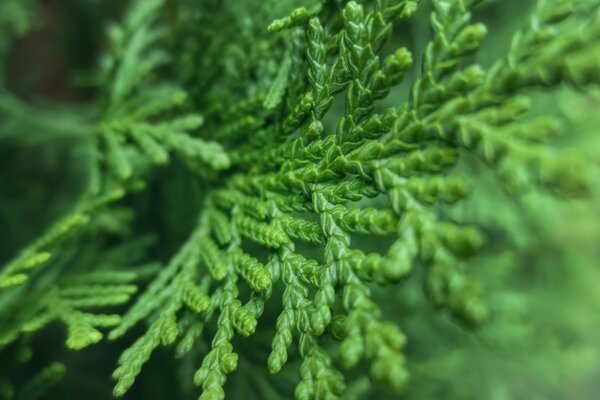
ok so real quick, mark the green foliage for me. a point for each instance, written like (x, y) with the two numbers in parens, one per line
(328, 204)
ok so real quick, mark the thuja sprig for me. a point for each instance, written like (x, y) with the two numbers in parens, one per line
(131, 102)
(280, 175)
(175, 287)
(128, 128)
(73, 302)
(406, 154)
(324, 172)
(40, 252)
